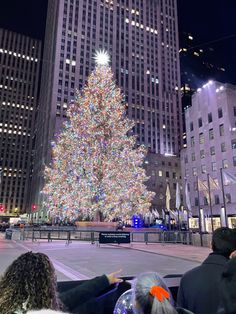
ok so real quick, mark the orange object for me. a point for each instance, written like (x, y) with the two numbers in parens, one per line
(159, 293)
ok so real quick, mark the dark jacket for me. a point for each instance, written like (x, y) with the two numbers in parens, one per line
(74, 298)
(228, 289)
(199, 290)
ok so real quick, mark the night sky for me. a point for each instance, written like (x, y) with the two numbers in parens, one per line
(207, 20)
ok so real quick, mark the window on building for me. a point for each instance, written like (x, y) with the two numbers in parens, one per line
(225, 164)
(205, 200)
(217, 199)
(212, 150)
(193, 157)
(194, 171)
(191, 126)
(160, 173)
(220, 113)
(201, 138)
(234, 161)
(223, 147)
(196, 201)
(235, 111)
(228, 198)
(233, 144)
(213, 166)
(211, 134)
(209, 117)
(202, 153)
(200, 122)
(192, 141)
(203, 168)
(167, 174)
(221, 129)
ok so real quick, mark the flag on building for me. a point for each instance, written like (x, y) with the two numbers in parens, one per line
(177, 200)
(168, 196)
(163, 214)
(187, 197)
(202, 187)
(173, 214)
(214, 185)
(228, 178)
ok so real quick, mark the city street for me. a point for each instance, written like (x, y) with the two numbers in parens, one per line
(81, 260)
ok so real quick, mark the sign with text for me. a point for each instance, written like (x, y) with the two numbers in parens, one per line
(114, 237)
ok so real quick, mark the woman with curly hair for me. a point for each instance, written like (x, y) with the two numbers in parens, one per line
(29, 283)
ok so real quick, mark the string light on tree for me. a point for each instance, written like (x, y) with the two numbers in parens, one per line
(96, 165)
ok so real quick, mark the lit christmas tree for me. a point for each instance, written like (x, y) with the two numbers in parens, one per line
(96, 166)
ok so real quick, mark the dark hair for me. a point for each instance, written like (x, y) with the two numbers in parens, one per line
(29, 283)
(228, 288)
(224, 241)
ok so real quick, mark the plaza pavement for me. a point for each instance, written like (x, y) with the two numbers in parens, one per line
(81, 260)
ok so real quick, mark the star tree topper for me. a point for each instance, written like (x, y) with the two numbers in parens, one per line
(102, 57)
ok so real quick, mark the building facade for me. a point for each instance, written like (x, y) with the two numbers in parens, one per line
(161, 170)
(19, 68)
(142, 40)
(198, 64)
(211, 146)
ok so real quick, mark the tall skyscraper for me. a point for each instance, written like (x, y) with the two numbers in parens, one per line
(19, 68)
(142, 40)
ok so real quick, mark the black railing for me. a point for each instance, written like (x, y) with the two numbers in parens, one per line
(92, 236)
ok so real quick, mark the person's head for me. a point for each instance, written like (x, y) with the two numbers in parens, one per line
(28, 283)
(152, 296)
(228, 288)
(224, 241)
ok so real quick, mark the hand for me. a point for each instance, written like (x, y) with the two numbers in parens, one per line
(233, 254)
(112, 278)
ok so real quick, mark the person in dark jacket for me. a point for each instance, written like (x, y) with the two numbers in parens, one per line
(199, 288)
(74, 298)
(228, 289)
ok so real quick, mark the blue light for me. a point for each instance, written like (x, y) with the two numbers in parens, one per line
(137, 222)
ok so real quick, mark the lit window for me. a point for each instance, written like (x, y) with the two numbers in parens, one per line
(225, 164)
(213, 166)
(221, 129)
(202, 153)
(194, 171)
(160, 173)
(233, 144)
(212, 150)
(201, 138)
(203, 168)
(223, 147)
(211, 134)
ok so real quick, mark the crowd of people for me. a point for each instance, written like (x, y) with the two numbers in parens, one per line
(29, 285)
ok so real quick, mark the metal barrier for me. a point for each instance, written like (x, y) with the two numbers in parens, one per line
(93, 236)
